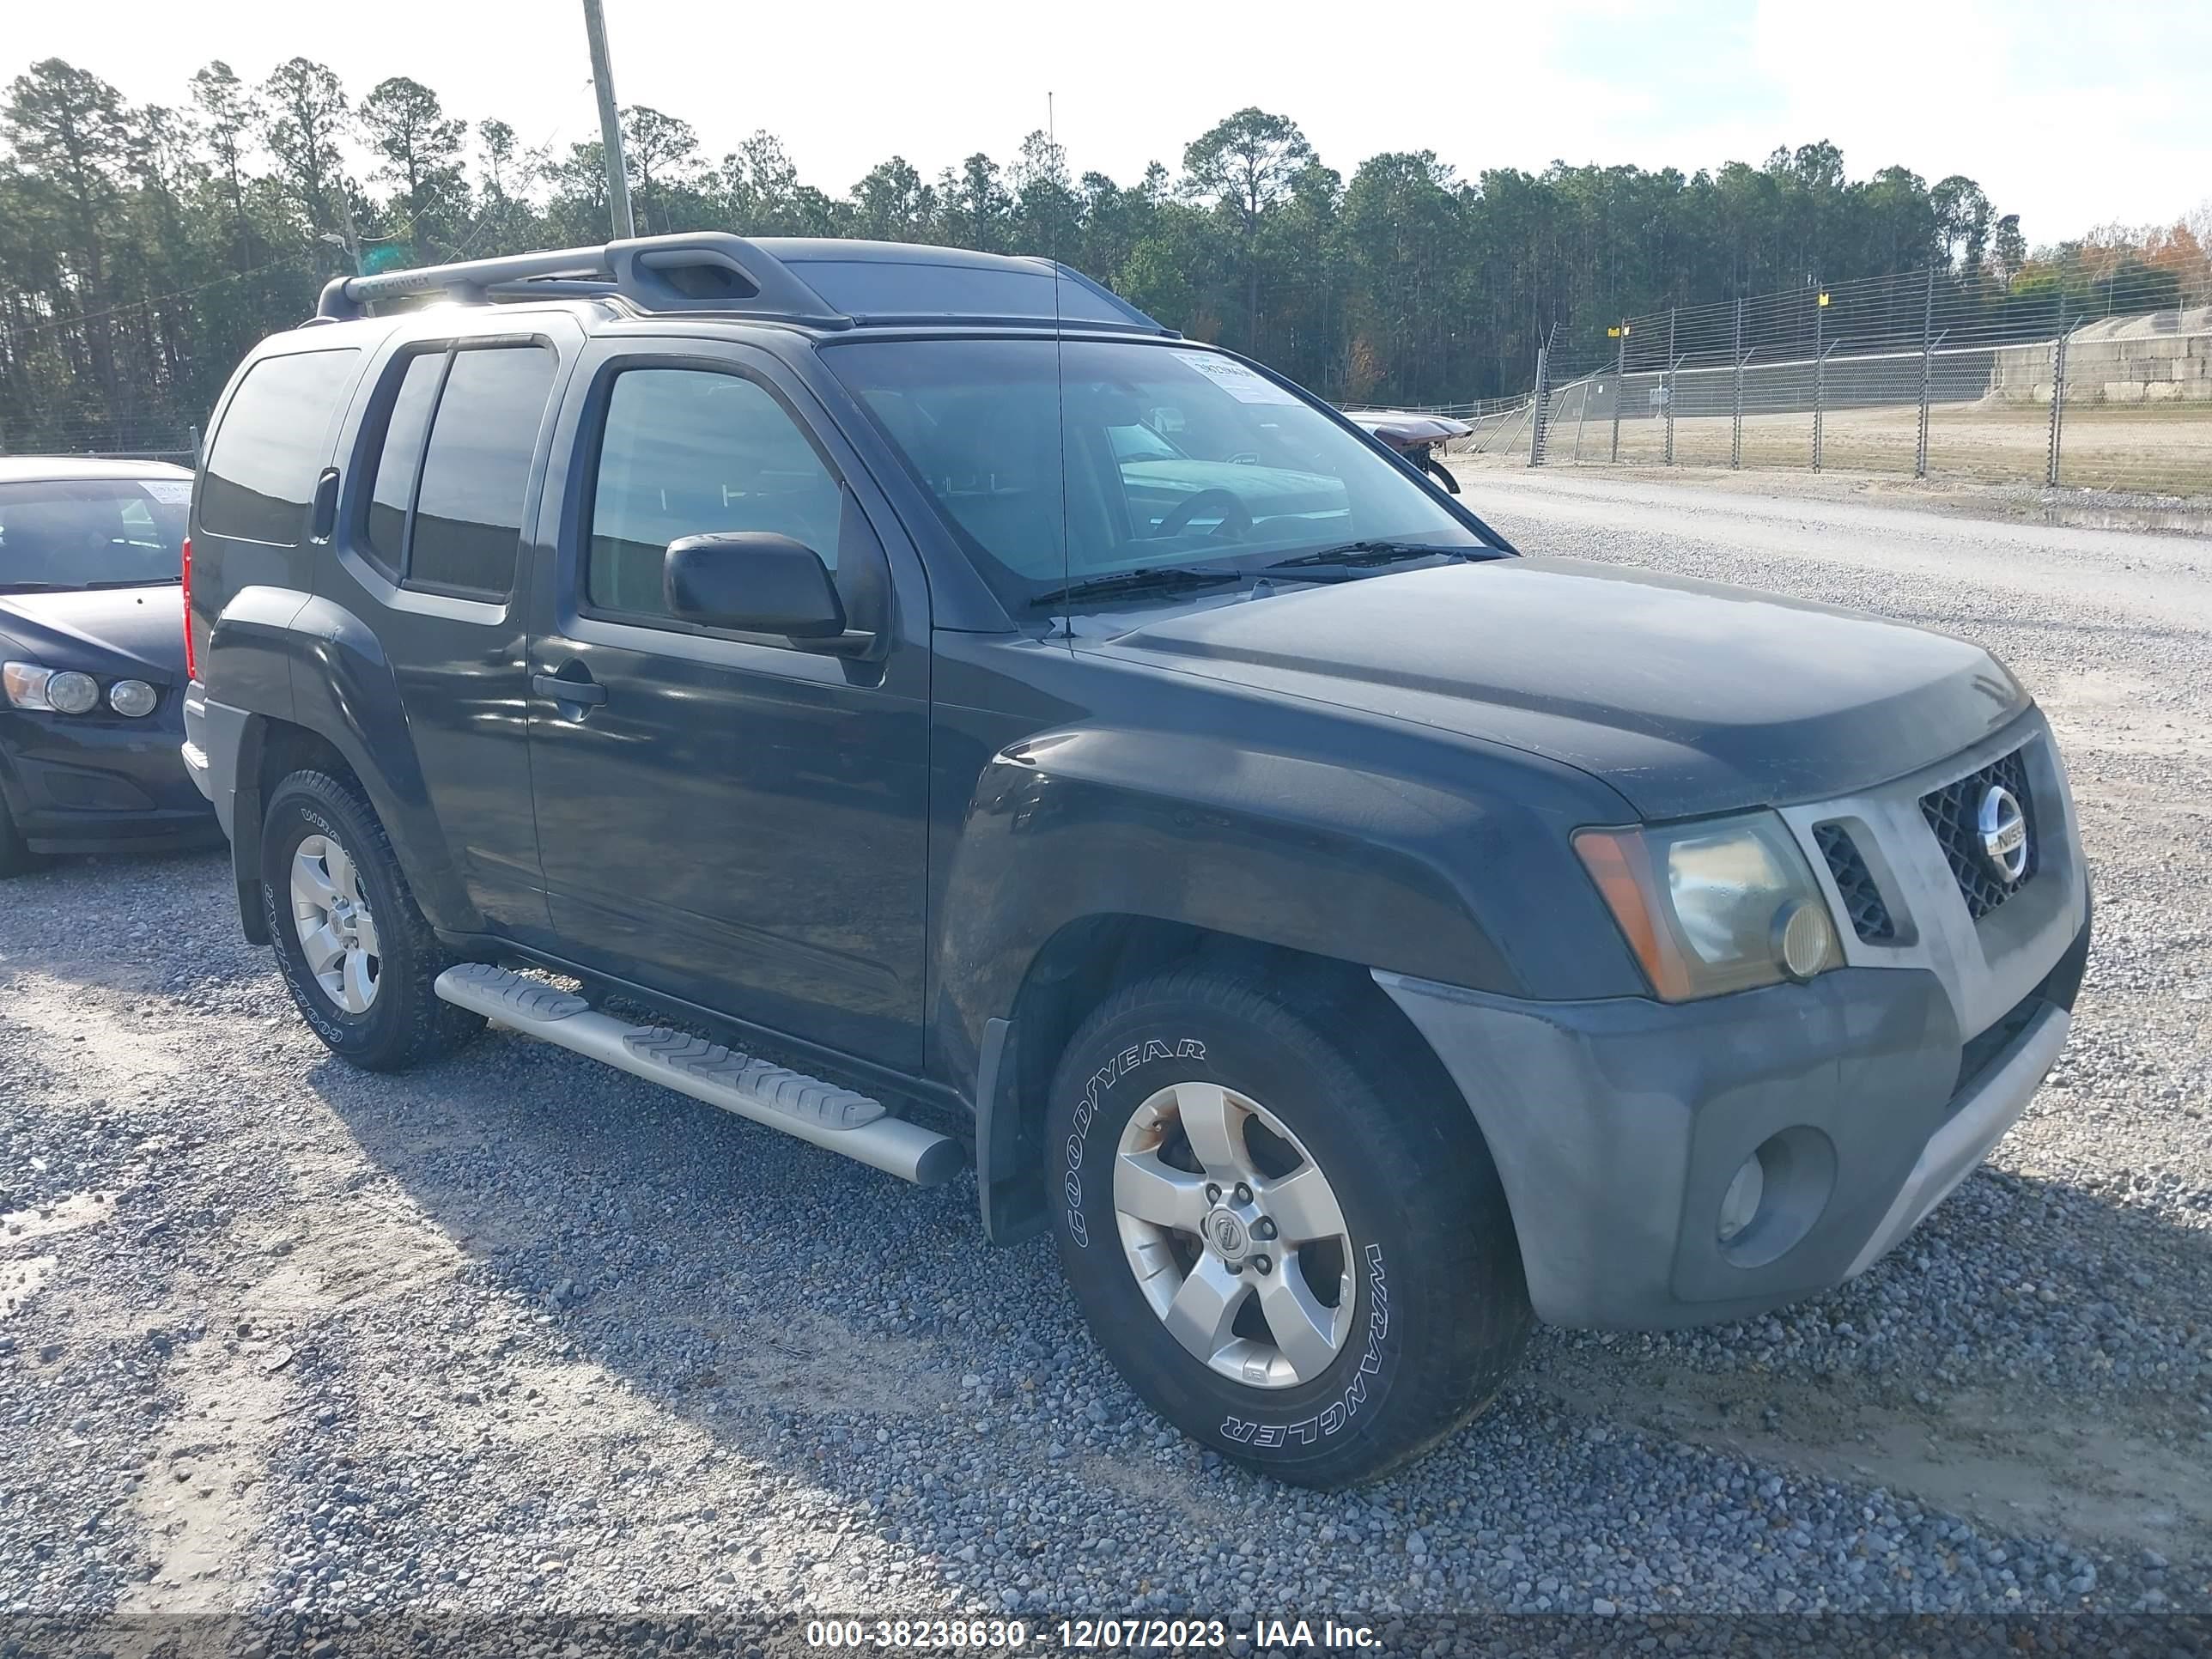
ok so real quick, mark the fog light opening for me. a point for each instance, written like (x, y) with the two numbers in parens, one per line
(1740, 1203)
(1776, 1197)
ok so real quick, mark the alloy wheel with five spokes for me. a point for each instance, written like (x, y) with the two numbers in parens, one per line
(1234, 1235)
(337, 931)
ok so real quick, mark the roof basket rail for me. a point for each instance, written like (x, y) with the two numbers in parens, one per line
(692, 270)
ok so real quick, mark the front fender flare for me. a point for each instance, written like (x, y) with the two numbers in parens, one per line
(1393, 861)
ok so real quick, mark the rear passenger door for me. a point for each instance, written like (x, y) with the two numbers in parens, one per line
(728, 818)
(448, 473)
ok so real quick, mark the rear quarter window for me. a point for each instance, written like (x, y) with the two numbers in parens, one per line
(260, 471)
(476, 473)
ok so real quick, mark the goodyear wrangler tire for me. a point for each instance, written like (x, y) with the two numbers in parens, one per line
(354, 951)
(1295, 1248)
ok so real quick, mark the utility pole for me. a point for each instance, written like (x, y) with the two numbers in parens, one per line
(602, 83)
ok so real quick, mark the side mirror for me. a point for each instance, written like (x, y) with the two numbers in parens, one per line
(755, 581)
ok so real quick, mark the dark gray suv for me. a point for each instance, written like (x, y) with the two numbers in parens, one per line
(988, 728)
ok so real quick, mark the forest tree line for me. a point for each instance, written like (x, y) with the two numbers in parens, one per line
(144, 248)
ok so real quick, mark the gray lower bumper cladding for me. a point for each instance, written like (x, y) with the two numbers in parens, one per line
(1619, 1126)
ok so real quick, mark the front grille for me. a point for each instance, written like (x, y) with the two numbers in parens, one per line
(1952, 813)
(1862, 900)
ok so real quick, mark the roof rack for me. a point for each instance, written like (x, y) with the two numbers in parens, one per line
(712, 270)
(694, 270)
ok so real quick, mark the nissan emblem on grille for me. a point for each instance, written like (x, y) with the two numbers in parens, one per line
(1986, 825)
(2004, 832)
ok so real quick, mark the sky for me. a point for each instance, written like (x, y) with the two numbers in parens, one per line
(2070, 114)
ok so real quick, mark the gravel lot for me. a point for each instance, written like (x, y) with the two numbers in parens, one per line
(521, 1333)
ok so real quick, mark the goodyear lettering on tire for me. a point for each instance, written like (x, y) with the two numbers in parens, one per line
(1086, 1108)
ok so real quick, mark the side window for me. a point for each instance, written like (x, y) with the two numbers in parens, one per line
(468, 510)
(261, 469)
(404, 428)
(687, 452)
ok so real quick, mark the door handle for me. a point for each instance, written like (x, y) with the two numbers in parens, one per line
(325, 514)
(567, 690)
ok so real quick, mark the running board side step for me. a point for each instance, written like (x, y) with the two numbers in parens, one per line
(820, 1114)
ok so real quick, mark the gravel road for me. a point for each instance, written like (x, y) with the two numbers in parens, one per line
(521, 1333)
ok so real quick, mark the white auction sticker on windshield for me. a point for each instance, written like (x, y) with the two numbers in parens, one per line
(1238, 381)
(170, 492)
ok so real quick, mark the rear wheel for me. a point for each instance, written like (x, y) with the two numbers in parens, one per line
(1297, 1251)
(356, 953)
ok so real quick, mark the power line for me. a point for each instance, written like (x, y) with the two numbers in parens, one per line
(22, 329)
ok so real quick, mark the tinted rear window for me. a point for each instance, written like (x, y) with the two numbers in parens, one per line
(261, 469)
(468, 517)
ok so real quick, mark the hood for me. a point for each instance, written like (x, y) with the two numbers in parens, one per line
(1687, 697)
(134, 631)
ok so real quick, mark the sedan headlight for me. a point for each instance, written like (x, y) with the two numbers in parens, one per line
(64, 691)
(132, 697)
(1723, 905)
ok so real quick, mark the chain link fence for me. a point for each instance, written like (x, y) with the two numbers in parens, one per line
(1916, 375)
(114, 441)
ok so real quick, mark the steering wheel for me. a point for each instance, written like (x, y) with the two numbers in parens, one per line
(1208, 502)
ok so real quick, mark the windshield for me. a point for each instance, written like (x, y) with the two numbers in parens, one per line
(1057, 462)
(91, 532)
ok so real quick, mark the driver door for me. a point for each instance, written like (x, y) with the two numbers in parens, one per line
(728, 818)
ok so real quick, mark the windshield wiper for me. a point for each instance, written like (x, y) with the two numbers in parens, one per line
(1164, 579)
(1371, 552)
(137, 581)
(34, 587)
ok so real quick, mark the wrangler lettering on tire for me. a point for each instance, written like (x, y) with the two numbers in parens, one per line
(1295, 1250)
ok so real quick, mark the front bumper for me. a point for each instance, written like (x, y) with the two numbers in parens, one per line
(1617, 1126)
(1866, 1094)
(84, 784)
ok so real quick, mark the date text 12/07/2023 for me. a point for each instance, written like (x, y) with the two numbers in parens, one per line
(1114, 1634)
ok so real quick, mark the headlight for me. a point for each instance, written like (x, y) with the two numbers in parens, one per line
(66, 692)
(133, 697)
(1719, 906)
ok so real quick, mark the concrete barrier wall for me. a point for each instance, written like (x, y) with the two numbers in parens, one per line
(1955, 375)
(2163, 358)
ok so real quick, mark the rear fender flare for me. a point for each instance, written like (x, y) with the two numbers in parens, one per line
(311, 663)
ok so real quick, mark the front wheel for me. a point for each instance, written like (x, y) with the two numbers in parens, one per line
(15, 858)
(1296, 1252)
(357, 956)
